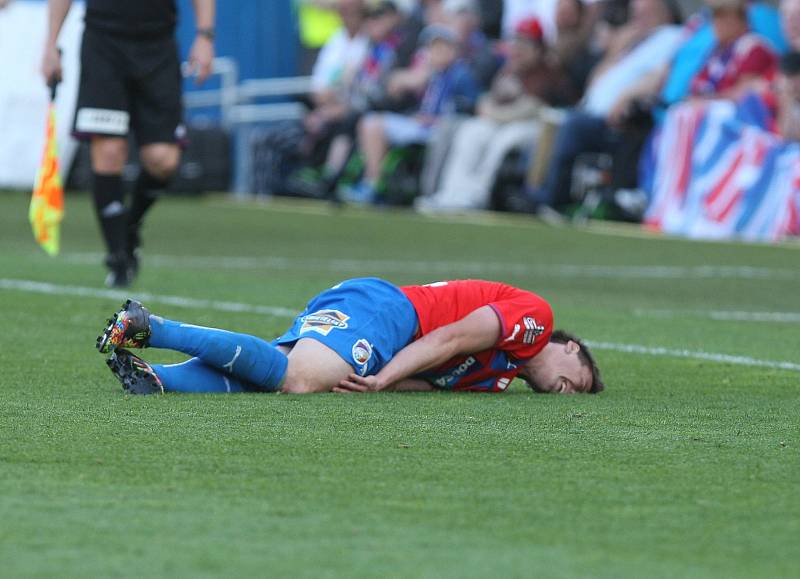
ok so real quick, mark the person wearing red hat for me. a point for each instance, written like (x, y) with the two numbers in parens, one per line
(508, 118)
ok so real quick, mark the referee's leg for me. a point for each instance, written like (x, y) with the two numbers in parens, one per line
(102, 117)
(157, 122)
(159, 161)
(108, 156)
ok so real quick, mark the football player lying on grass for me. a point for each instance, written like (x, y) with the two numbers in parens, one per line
(365, 335)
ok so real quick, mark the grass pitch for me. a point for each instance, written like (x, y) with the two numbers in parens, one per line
(685, 467)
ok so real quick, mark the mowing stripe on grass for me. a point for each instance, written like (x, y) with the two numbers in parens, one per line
(449, 267)
(724, 315)
(709, 356)
(29, 286)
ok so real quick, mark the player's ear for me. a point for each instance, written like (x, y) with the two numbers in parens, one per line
(572, 347)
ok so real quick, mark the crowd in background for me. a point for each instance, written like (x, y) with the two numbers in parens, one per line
(562, 80)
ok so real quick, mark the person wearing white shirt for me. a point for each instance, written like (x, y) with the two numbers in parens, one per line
(644, 44)
(341, 57)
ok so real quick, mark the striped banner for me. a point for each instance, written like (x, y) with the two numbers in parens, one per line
(718, 172)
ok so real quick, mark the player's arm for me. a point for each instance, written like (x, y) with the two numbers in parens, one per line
(51, 60)
(476, 332)
(201, 55)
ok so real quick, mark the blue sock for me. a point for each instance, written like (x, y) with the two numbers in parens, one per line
(241, 356)
(196, 376)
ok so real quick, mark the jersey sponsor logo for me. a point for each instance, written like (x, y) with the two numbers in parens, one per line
(532, 330)
(104, 121)
(323, 321)
(513, 334)
(362, 352)
(456, 372)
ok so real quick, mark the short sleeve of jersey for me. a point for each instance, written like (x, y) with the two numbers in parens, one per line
(526, 324)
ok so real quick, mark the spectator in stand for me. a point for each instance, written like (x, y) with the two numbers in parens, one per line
(704, 146)
(790, 22)
(335, 70)
(491, 18)
(463, 16)
(740, 58)
(574, 22)
(280, 150)
(318, 20)
(384, 27)
(407, 83)
(642, 45)
(385, 33)
(516, 11)
(739, 61)
(788, 85)
(788, 93)
(507, 119)
(680, 78)
(476, 50)
(452, 88)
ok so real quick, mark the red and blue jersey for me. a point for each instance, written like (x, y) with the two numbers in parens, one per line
(526, 322)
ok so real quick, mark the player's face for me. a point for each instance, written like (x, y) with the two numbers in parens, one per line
(563, 372)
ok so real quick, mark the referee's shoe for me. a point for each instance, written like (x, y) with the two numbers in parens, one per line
(122, 269)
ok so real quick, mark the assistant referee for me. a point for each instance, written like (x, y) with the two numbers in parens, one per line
(130, 81)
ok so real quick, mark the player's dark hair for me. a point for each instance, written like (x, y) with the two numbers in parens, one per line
(584, 355)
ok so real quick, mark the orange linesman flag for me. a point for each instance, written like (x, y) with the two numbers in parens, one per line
(47, 202)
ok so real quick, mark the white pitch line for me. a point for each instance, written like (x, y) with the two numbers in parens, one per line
(709, 356)
(782, 317)
(463, 268)
(29, 286)
(724, 315)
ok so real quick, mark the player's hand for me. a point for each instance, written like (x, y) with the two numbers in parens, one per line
(358, 384)
(51, 65)
(201, 57)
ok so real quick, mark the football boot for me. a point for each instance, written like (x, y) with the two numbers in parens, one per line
(128, 328)
(135, 375)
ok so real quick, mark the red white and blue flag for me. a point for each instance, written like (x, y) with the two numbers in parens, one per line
(719, 171)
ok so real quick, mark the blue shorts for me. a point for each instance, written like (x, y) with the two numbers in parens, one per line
(366, 321)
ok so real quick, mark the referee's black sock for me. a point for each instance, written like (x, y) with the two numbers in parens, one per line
(111, 213)
(146, 192)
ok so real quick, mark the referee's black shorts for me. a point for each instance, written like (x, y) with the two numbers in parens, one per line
(129, 84)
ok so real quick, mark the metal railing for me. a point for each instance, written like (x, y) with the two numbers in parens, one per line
(239, 114)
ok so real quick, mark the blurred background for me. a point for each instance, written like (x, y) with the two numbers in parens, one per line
(681, 115)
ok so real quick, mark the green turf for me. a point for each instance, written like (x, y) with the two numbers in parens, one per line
(683, 468)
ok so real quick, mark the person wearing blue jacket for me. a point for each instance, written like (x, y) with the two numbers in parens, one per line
(452, 88)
